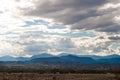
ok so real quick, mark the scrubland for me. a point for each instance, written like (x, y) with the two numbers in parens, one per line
(57, 76)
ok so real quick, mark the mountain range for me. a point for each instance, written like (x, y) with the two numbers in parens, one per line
(64, 58)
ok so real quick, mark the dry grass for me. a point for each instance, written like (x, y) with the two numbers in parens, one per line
(36, 76)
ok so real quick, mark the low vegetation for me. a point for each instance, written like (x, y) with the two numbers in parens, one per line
(58, 74)
(37, 76)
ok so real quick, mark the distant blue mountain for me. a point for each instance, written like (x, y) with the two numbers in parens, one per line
(74, 58)
(101, 57)
(63, 54)
(111, 56)
(65, 58)
(10, 58)
(43, 55)
(110, 61)
(22, 59)
(91, 56)
(7, 58)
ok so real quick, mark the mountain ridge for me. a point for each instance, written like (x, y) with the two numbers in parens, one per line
(67, 58)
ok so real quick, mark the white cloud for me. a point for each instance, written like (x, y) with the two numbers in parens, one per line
(10, 48)
(110, 5)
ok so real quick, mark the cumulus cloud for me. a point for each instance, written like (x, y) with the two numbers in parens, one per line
(78, 14)
(9, 47)
(53, 45)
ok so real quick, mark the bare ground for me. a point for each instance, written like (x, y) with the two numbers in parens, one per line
(36, 76)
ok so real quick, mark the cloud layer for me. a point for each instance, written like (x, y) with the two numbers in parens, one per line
(31, 27)
(100, 15)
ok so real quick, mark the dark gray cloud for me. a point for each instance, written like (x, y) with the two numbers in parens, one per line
(79, 14)
(114, 38)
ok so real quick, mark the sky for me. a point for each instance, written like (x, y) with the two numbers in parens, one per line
(81, 27)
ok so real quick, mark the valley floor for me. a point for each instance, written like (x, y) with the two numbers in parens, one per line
(37, 76)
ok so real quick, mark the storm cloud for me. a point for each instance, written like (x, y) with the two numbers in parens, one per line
(78, 14)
